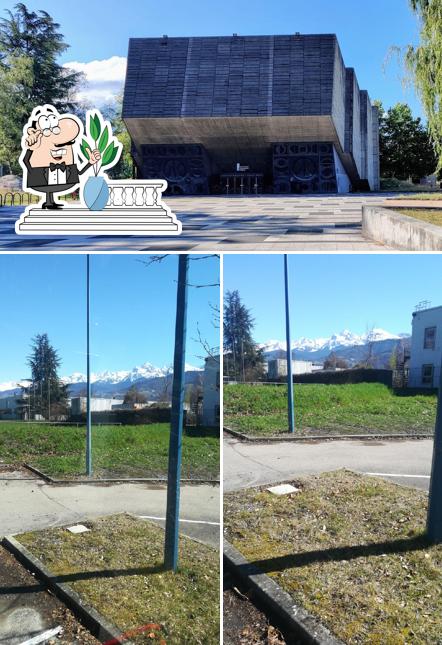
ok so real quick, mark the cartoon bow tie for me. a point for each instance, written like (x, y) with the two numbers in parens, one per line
(57, 166)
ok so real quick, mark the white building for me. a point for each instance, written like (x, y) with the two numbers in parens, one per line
(277, 367)
(211, 391)
(79, 404)
(426, 348)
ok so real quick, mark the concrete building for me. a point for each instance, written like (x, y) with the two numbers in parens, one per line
(249, 114)
(277, 367)
(426, 348)
(211, 391)
(14, 407)
(79, 404)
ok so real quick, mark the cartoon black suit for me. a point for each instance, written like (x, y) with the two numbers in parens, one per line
(49, 157)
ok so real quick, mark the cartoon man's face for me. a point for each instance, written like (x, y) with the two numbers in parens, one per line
(51, 137)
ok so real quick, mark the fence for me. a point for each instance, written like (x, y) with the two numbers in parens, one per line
(129, 417)
(340, 377)
(17, 199)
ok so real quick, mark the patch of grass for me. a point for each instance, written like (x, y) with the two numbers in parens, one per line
(130, 587)
(327, 409)
(425, 215)
(132, 450)
(351, 550)
(426, 196)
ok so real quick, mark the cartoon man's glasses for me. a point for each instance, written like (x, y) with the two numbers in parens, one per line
(49, 124)
(47, 131)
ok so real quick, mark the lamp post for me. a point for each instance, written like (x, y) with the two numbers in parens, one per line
(290, 410)
(434, 518)
(88, 377)
(176, 420)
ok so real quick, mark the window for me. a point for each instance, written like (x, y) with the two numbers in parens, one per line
(427, 374)
(430, 338)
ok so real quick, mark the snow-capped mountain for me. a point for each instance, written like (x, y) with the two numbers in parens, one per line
(345, 338)
(345, 344)
(146, 376)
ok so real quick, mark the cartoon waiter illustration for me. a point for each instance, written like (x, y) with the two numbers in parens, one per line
(48, 158)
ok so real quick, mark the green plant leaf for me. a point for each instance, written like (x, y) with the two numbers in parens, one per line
(103, 140)
(98, 125)
(109, 154)
(94, 126)
(84, 147)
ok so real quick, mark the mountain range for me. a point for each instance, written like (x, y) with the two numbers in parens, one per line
(347, 345)
(153, 381)
(148, 378)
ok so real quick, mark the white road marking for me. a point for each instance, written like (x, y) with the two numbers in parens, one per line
(152, 517)
(398, 475)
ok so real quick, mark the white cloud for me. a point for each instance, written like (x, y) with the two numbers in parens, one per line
(104, 79)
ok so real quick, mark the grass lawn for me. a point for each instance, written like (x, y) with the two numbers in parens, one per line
(130, 587)
(427, 215)
(133, 450)
(327, 409)
(422, 196)
(350, 549)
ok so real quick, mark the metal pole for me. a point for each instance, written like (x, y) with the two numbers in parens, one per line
(291, 410)
(88, 377)
(434, 518)
(176, 421)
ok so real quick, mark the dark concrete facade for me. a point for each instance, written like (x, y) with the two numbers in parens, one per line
(286, 106)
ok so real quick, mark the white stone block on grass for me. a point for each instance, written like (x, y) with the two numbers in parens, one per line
(78, 528)
(283, 489)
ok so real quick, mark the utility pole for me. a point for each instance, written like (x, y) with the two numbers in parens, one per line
(176, 420)
(290, 410)
(434, 518)
(88, 377)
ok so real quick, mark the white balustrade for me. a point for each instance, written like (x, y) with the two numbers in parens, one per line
(135, 193)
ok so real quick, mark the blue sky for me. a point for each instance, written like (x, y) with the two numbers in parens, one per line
(132, 310)
(329, 293)
(366, 31)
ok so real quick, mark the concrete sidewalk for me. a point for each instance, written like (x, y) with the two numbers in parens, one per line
(32, 505)
(275, 223)
(404, 462)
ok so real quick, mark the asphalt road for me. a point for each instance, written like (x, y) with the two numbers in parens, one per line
(404, 462)
(32, 504)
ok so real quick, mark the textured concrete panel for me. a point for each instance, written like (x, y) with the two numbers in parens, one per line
(238, 95)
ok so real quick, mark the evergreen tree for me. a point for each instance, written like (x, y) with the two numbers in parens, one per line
(243, 359)
(405, 146)
(425, 63)
(29, 74)
(47, 394)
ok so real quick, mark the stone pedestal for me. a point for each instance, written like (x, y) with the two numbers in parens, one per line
(134, 208)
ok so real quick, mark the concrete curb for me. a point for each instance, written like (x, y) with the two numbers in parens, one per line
(336, 437)
(400, 231)
(37, 472)
(119, 480)
(99, 626)
(296, 620)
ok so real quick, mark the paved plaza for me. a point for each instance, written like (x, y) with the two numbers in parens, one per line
(265, 223)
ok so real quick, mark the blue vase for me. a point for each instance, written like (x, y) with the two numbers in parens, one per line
(96, 193)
